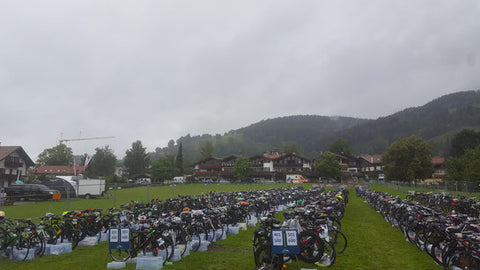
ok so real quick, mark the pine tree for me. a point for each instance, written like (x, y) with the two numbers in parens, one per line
(179, 158)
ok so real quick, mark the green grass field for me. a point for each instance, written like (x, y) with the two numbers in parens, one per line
(372, 242)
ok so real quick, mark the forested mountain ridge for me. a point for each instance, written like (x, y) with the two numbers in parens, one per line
(436, 121)
(442, 116)
(304, 130)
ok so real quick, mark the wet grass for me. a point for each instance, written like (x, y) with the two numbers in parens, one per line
(374, 244)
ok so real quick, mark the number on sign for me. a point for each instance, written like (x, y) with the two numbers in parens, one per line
(277, 238)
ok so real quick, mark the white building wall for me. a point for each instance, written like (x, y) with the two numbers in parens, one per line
(268, 165)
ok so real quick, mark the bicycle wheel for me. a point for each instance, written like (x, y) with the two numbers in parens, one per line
(152, 246)
(22, 245)
(456, 259)
(202, 232)
(336, 225)
(264, 258)
(74, 237)
(410, 234)
(50, 235)
(3, 239)
(210, 233)
(340, 243)
(197, 235)
(328, 257)
(420, 240)
(311, 247)
(120, 255)
(436, 252)
(181, 240)
(168, 247)
(219, 226)
(37, 244)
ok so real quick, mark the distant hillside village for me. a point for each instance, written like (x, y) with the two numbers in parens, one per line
(275, 166)
(16, 165)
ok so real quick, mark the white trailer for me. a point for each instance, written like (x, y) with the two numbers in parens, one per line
(179, 180)
(89, 188)
(86, 188)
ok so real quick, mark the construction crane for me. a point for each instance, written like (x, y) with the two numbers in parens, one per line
(84, 139)
(61, 141)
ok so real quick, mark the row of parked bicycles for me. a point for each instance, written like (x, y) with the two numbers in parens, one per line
(451, 238)
(156, 227)
(318, 222)
(445, 202)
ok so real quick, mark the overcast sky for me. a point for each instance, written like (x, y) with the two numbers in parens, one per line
(157, 70)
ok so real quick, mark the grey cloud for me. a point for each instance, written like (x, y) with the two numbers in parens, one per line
(158, 70)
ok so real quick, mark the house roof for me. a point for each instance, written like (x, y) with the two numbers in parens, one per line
(262, 157)
(438, 160)
(372, 159)
(7, 150)
(59, 170)
(293, 155)
(230, 157)
(207, 159)
(272, 156)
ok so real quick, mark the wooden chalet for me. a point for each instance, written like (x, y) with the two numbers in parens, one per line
(14, 163)
(439, 168)
(372, 167)
(209, 168)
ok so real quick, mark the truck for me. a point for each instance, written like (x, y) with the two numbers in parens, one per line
(86, 188)
(296, 178)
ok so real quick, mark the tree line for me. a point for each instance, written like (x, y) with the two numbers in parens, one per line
(407, 159)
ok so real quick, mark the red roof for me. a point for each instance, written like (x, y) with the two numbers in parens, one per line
(272, 156)
(59, 170)
(438, 160)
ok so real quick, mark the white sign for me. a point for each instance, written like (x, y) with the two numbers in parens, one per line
(277, 238)
(114, 235)
(291, 238)
(125, 235)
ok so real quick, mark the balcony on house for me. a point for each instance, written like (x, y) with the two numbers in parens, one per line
(8, 176)
(13, 163)
(209, 166)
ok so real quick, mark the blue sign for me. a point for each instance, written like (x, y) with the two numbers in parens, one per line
(119, 238)
(285, 241)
